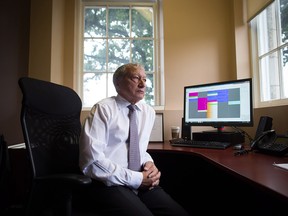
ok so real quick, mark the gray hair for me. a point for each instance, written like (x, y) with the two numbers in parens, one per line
(125, 70)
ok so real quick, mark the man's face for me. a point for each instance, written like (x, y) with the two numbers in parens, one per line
(133, 86)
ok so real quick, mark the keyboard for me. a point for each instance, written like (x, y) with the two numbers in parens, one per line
(200, 144)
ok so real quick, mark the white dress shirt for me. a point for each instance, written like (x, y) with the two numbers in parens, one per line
(103, 141)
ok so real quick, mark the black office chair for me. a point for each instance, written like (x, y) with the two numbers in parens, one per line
(50, 120)
(4, 169)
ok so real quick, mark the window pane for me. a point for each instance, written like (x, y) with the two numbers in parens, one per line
(95, 22)
(284, 20)
(119, 53)
(119, 22)
(149, 95)
(285, 73)
(142, 22)
(94, 87)
(267, 36)
(143, 53)
(94, 55)
(270, 89)
(111, 88)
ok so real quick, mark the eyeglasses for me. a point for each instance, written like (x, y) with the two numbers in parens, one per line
(137, 79)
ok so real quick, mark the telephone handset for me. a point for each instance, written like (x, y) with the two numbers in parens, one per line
(266, 136)
(271, 143)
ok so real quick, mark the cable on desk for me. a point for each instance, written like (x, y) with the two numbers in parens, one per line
(243, 133)
(241, 152)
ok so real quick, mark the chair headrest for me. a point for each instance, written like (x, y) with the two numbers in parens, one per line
(49, 97)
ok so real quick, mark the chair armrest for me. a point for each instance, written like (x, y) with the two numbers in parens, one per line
(67, 178)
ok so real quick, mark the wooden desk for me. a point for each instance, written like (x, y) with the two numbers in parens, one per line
(209, 181)
(249, 178)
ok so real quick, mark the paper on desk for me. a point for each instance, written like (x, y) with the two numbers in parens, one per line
(281, 165)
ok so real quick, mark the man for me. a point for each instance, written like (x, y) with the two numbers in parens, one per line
(105, 144)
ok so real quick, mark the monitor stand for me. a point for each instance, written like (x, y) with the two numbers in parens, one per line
(220, 131)
(220, 136)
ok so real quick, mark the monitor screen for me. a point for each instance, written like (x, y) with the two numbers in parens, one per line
(219, 104)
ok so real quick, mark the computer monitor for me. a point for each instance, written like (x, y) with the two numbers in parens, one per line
(219, 104)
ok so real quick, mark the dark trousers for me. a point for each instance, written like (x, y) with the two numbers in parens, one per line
(119, 200)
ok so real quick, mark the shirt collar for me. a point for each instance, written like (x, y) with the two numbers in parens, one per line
(123, 103)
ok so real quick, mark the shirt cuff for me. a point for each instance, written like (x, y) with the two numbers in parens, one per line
(137, 179)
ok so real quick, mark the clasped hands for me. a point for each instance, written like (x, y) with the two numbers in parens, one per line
(151, 176)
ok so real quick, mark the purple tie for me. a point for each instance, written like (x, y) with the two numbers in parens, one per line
(134, 154)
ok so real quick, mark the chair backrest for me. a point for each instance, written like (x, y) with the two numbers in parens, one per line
(50, 119)
(3, 159)
(4, 174)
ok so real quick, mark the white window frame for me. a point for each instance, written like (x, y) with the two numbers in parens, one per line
(159, 46)
(259, 76)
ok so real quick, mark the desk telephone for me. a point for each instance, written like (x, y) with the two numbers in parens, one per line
(271, 143)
